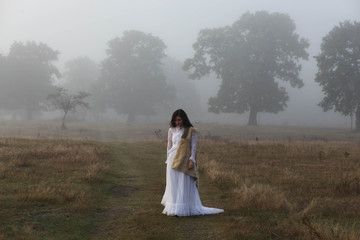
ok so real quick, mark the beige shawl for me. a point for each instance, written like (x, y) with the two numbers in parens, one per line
(183, 153)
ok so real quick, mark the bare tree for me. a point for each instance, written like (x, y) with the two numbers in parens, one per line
(63, 100)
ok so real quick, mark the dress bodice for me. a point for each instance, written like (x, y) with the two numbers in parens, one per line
(174, 137)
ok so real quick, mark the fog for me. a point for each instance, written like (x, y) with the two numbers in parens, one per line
(83, 28)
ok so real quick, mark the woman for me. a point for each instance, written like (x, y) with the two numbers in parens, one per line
(181, 197)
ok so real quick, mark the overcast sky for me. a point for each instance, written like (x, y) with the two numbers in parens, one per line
(83, 27)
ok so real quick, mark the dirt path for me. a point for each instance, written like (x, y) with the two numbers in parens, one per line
(133, 209)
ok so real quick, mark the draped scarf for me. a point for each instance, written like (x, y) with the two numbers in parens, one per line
(183, 153)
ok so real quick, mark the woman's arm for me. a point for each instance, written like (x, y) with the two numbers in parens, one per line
(169, 144)
(193, 148)
(192, 159)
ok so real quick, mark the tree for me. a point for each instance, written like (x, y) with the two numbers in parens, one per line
(132, 78)
(339, 70)
(80, 73)
(186, 95)
(26, 76)
(249, 57)
(63, 100)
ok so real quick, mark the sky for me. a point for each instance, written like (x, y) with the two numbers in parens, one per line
(83, 27)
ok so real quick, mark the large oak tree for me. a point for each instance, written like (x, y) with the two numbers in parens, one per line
(250, 56)
(132, 78)
(339, 70)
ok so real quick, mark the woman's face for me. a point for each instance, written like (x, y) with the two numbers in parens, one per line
(178, 121)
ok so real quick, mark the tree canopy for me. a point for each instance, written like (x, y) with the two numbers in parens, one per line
(249, 57)
(186, 95)
(80, 74)
(27, 76)
(132, 78)
(339, 70)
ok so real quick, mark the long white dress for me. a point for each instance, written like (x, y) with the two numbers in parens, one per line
(181, 197)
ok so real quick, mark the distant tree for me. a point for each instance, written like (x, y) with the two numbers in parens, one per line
(63, 100)
(80, 73)
(26, 76)
(186, 95)
(132, 78)
(339, 70)
(250, 56)
(99, 99)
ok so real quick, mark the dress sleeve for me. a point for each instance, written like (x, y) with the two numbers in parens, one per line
(169, 144)
(193, 147)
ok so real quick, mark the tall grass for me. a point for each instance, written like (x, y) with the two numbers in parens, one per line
(287, 182)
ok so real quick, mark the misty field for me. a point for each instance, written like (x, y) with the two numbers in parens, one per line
(272, 182)
(107, 132)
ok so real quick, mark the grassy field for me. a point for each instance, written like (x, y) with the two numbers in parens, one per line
(49, 188)
(295, 183)
(107, 132)
(291, 190)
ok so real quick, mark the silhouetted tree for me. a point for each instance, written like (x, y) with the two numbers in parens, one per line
(26, 76)
(63, 100)
(339, 70)
(132, 78)
(250, 56)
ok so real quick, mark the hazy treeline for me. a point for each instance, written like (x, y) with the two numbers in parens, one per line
(137, 81)
(151, 87)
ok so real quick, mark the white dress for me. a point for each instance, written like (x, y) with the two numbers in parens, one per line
(181, 197)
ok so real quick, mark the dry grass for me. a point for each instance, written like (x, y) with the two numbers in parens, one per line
(218, 173)
(262, 197)
(336, 207)
(45, 178)
(290, 180)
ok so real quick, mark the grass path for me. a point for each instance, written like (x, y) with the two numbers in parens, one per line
(133, 209)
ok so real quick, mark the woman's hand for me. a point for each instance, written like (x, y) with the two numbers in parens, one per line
(190, 165)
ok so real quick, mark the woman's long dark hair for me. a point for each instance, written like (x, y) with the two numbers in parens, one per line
(181, 113)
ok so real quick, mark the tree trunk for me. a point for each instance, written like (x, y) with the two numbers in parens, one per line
(131, 118)
(252, 117)
(63, 126)
(357, 119)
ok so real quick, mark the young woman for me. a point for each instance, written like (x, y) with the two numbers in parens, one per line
(181, 197)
